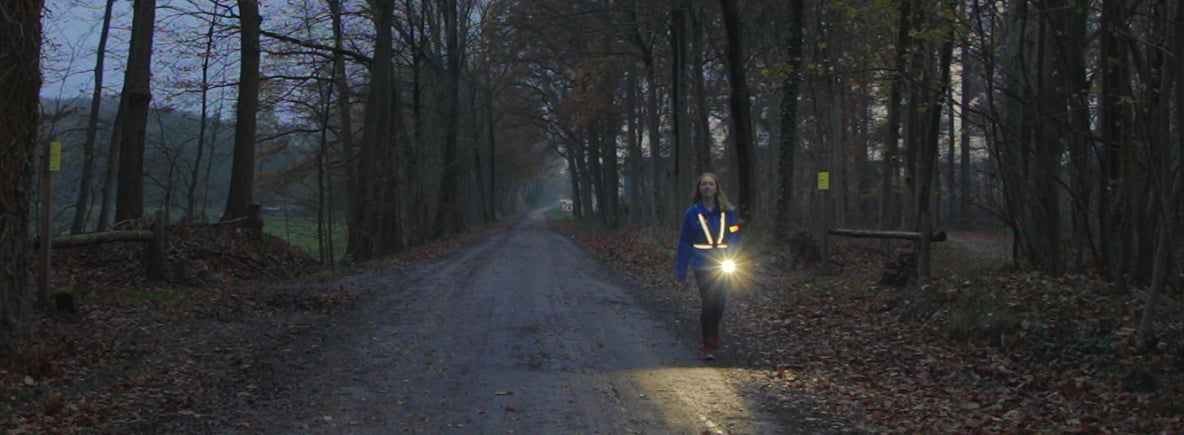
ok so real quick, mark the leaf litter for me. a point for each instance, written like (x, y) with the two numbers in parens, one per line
(980, 347)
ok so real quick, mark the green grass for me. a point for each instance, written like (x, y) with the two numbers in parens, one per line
(302, 233)
(556, 214)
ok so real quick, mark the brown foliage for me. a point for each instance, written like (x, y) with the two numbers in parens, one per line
(979, 349)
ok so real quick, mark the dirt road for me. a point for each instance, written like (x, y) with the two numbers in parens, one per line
(522, 333)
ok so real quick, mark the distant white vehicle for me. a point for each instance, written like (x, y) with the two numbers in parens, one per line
(566, 204)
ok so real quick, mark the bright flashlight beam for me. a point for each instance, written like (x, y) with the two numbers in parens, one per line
(728, 266)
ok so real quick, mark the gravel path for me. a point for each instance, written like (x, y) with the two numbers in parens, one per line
(522, 333)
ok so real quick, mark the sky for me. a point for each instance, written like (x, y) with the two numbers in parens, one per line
(71, 34)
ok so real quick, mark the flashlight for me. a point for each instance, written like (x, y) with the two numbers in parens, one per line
(728, 266)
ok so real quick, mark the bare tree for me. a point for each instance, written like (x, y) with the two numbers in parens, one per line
(935, 93)
(345, 133)
(133, 118)
(1169, 171)
(789, 122)
(703, 142)
(205, 86)
(374, 230)
(1113, 122)
(643, 43)
(684, 155)
(82, 203)
(242, 174)
(741, 111)
(889, 202)
(449, 219)
(20, 84)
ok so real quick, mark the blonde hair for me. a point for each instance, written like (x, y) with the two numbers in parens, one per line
(720, 197)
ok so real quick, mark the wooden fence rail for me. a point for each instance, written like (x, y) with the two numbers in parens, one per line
(939, 236)
(157, 243)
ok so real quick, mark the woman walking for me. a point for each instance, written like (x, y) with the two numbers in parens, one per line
(709, 238)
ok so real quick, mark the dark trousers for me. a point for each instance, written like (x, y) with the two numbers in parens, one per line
(713, 291)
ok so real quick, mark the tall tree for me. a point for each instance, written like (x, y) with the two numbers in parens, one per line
(374, 230)
(789, 113)
(449, 219)
(683, 155)
(1169, 171)
(633, 136)
(643, 42)
(741, 110)
(1113, 131)
(345, 133)
(897, 86)
(204, 118)
(20, 84)
(1065, 104)
(133, 119)
(969, 92)
(935, 89)
(82, 203)
(242, 173)
(702, 131)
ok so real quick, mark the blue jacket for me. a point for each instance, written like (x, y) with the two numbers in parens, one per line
(692, 234)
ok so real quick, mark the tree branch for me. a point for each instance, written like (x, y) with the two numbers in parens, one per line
(360, 58)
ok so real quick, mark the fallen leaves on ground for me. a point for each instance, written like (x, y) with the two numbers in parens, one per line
(192, 353)
(980, 348)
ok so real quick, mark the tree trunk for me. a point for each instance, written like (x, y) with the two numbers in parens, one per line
(372, 176)
(20, 82)
(683, 156)
(633, 135)
(1042, 146)
(951, 192)
(703, 144)
(653, 121)
(111, 171)
(129, 202)
(490, 125)
(448, 211)
(584, 183)
(478, 171)
(345, 132)
(612, 173)
(888, 200)
(1112, 121)
(1170, 190)
(191, 195)
(217, 128)
(1147, 179)
(926, 173)
(82, 203)
(741, 111)
(964, 134)
(242, 173)
(595, 171)
(577, 193)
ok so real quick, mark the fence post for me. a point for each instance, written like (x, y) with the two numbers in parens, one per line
(158, 249)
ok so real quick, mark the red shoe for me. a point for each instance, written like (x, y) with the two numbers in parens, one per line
(709, 346)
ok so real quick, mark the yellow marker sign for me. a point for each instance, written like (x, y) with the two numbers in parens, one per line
(55, 156)
(824, 180)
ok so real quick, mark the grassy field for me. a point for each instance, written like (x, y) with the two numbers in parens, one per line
(302, 233)
(556, 214)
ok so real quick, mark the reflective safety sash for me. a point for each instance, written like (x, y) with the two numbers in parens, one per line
(716, 242)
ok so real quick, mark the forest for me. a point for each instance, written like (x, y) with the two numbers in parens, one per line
(1058, 124)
